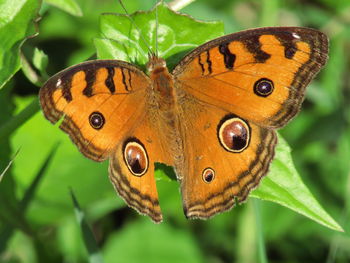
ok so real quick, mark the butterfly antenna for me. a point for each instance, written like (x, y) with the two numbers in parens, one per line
(157, 25)
(137, 28)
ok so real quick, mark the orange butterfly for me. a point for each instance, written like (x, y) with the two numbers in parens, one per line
(213, 117)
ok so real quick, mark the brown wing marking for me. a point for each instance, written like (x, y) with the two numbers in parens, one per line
(288, 57)
(113, 89)
(235, 173)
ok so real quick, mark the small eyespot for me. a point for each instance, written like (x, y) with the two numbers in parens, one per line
(263, 87)
(96, 120)
(234, 135)
(208, 175)
(136, 158)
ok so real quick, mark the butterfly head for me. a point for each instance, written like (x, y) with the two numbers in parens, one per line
(155, 63)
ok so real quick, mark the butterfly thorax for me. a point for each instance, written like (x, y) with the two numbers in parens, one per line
(162, 83)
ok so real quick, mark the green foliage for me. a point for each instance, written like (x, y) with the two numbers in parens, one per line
(88, 236)
(45, 229)
(15, 26)
(142, 241)
(284, 186)
(177, 34)
(70, 6)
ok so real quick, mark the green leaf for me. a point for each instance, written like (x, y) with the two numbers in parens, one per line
(122, 40)
(178, 34)
(11, 125)
(284, 186)
(37, 74)
(40, 60)
(16, 24)
(69, 6)
(8, 166)
(88, 236)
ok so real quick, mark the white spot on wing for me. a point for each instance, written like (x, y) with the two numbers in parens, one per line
(295, 35)
(58, 83)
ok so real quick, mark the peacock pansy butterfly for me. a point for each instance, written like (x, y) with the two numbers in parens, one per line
(213, 117)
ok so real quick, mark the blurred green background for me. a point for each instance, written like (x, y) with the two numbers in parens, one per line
(38, 220)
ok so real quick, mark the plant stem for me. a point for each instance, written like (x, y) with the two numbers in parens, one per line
(260, 237)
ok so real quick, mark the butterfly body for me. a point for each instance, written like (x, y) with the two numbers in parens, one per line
(212, 118)
(164, 97)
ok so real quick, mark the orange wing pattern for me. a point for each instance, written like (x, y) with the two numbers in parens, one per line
(228, 71)
(103, 105)
(233, 91)
(213, 119)
(232, 173)
(136, 183)
(100, 91)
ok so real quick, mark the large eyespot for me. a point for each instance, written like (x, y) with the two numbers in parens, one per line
(96, 120)
(263, 87)
(136, 157)
(234, 134)
(208, 175)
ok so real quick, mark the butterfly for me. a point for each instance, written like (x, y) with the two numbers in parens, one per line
(213, 117)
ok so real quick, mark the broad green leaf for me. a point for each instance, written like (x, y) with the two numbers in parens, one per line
(121, 40)
(16, 24)
(37, 74)
(126, 40)
(284, 186)
(70, 6)
(40, 60)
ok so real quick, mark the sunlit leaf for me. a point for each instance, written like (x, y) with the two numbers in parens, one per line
(70, 6)
(121, 40)
(284, 186)
(16, 24)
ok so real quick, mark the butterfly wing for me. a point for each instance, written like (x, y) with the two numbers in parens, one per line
(221, 169)
(237, 89)
(259, 74)
(103, 105)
